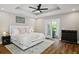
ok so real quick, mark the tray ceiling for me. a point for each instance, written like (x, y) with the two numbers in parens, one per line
(25, 10)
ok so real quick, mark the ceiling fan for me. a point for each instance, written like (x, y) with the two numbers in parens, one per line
(39, 9)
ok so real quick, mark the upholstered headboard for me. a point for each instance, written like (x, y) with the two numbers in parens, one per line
(15, 29)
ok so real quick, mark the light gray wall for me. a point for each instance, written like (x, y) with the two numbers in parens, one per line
(69, 21)
(7, 19)
(39, 25)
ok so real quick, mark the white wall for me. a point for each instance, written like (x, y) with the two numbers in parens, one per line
(69, 21)
(4, 21)
(39, 25)
(7, 19)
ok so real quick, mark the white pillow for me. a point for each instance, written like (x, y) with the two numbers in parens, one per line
(15, 32)
(31, 29)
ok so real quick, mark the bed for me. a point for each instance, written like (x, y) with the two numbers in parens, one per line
(24, 37)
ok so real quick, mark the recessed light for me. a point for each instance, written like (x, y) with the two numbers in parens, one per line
(2, 8)
(73, 9)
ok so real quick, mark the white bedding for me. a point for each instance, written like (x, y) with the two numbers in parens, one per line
(28, 39)
(24, 37)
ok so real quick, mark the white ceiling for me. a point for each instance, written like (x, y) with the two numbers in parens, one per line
(25, 10)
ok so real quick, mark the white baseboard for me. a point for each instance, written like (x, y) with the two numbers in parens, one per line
(77, 42)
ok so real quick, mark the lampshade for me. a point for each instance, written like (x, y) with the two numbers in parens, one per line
(4, 33)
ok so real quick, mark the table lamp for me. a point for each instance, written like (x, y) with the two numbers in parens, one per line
(4, 33)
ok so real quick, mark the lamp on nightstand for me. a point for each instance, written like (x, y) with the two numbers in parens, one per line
(5, 38)
(4, 33)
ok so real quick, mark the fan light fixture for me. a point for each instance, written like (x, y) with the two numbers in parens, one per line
(38, 11)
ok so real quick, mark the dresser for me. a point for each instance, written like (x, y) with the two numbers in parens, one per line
(69, 36)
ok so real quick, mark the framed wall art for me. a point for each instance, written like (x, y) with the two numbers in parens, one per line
(20, 19)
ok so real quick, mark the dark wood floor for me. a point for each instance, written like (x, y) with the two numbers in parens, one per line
(62, 48)
(4, 50)
(57, 48)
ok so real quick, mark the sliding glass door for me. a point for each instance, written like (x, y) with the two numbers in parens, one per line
(53, 28)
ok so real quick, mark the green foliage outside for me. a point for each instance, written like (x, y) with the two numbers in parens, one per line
(54, 26)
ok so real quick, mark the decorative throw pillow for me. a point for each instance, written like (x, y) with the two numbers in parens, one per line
(15, 32)
(21, 30)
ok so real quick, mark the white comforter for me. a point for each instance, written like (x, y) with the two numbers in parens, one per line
(28, 38)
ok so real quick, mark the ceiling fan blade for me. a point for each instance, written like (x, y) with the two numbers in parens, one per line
(32, 7)
(34, 10)
(44, 9)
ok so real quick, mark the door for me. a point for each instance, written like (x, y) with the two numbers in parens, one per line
(52, 28)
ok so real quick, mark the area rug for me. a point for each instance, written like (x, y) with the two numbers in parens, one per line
(37, 49)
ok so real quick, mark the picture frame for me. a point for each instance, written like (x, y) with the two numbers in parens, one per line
(20, 19)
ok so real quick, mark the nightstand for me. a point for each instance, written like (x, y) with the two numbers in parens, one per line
(6, 40)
